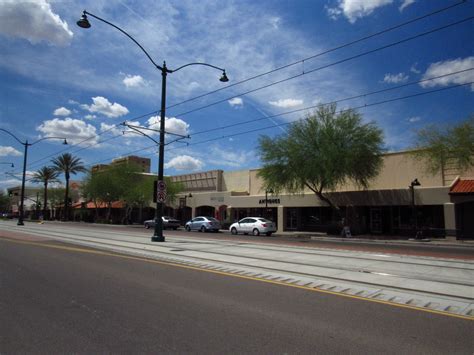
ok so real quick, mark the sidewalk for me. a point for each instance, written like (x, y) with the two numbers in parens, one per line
(447, 242)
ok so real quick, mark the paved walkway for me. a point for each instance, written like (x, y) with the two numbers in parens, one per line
(448, 241)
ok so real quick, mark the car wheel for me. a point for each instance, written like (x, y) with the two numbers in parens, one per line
(234, 231)
(269, 234)
(188, 228)
(256, 232)
(175, 228)
(147, 226)
(203, 229)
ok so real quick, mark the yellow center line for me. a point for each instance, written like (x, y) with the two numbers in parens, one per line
(143, 259)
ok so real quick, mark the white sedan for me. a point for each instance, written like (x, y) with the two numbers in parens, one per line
(254, 225)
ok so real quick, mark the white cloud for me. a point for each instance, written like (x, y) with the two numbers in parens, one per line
(414, 69)
(275, 22)
(354, 9)
(286, 103)
(405, 4)
(33, 21)
(74, 130)
(133, 81)
(105, 107)
(9, 151)
(111, 128)
(449, 66)
(414, 119)
(184, 162)
(231, 158)
(62, 111)
(72, 102)
(236, 102)
(172, 125)
(90, 117)
(395, 78)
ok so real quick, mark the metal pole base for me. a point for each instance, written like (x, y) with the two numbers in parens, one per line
(156, 238)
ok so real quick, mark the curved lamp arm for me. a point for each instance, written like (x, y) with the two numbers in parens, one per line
(85, 21)
(197, 63)
(11, 134)
(44, 138)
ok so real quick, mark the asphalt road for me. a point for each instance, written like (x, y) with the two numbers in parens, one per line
(58, 298)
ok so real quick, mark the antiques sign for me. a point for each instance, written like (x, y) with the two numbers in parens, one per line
(268, 201)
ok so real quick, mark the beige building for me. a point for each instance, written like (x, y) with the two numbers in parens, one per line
(143, 163)
(391, 205)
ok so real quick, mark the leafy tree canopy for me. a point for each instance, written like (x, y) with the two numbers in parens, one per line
(123, 182)
(322, 152)
(438, 145)
(4, 201)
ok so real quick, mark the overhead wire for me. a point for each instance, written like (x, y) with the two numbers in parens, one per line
(340, 111)
(327, 66)
(286, 66)
(334, 101)
(386, 30)
(311, 107)
(326, 51)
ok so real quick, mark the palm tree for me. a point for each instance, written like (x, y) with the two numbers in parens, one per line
(68, 165)
(45, 175)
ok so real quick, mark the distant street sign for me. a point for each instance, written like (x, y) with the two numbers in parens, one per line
(159, 191)
(161, 186)
(161, 197)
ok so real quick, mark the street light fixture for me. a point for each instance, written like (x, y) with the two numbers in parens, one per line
(413, 206)
(12, 165)
(158, 231)
(26, 145)
(266, 201)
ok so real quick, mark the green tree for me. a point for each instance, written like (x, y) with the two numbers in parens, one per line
(438, 146)
(68, 164)
(123, 182)
(45, 175)
(55, 196)
(4, 202)
(101, 188)
(321, 152)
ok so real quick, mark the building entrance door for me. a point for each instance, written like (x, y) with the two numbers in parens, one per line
(376, 220)
(291, 218)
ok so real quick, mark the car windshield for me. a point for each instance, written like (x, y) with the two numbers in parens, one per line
(264, 220)
(212, 219)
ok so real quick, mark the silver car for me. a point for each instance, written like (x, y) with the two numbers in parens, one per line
(168, 222)
(203, 224)
(254, 225)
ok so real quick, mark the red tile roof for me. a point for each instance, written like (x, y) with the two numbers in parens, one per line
(463, 186)
(91, 205)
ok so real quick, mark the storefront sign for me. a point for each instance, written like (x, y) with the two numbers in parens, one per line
(217, 199)
(269, 201)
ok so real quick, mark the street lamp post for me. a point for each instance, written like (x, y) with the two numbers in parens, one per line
(158, 231)
(183, 203)
(26, 145)
(413, 206)
(266, 201)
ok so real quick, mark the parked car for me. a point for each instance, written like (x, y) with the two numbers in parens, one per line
(203, 224)
(254, 225)
(168, 222)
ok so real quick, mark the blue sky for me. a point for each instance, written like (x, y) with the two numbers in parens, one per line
(60, 80)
